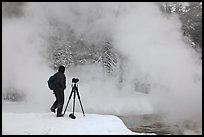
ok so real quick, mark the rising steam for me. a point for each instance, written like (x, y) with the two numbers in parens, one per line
(151, 42)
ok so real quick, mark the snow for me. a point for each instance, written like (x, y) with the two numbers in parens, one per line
(22, 119)
(49, 124)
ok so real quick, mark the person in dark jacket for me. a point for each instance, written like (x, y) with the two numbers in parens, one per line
(59, 92)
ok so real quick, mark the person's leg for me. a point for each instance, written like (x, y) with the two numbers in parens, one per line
(60, 103)
(55, 104)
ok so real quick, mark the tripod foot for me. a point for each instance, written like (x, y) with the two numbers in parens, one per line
(72, 116)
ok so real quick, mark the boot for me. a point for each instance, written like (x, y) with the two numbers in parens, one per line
(52, 109)
(60, 115)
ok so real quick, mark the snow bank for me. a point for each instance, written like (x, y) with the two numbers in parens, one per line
(49, 124)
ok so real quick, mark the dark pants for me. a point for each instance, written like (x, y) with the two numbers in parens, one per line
(59, 102)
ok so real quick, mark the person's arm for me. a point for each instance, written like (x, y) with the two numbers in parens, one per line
(64, 85)
(62, 81)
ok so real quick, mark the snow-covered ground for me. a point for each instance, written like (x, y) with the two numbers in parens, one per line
(19, 119)
(49, 124)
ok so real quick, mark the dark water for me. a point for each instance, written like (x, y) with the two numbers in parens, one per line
(147, 123)
(150, 123)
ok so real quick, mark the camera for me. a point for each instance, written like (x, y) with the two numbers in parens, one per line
(75, 80)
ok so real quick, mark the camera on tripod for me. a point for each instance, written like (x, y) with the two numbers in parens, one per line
(74, 92)
(75, 80)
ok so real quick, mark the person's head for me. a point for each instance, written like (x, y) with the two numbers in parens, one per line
(61, 69)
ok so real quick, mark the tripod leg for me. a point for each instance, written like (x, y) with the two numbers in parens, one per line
(74, 101)
(80, 102)
(68, 102)
(72, 114)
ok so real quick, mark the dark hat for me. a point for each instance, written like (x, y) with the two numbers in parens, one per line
(61, 69)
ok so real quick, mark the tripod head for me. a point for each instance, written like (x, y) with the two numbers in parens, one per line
(74, 85)
(75, 80)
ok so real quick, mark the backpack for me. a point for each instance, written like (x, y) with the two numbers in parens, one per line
(52, 81)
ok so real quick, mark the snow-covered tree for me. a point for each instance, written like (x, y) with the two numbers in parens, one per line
(109, 58)
(190, 14)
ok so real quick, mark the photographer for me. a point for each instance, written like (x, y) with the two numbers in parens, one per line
(59, 91)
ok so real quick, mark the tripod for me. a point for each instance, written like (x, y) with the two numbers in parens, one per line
(75, 91)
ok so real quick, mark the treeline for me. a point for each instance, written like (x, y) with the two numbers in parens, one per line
(64, 48)
(70, 51)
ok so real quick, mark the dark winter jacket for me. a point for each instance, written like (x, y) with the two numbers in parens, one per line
(61, 80)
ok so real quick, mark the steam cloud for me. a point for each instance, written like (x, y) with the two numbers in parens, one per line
(151, 41)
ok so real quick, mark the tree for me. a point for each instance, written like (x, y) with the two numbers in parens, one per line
(192, 22)
(109, 58)
(190, 14)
